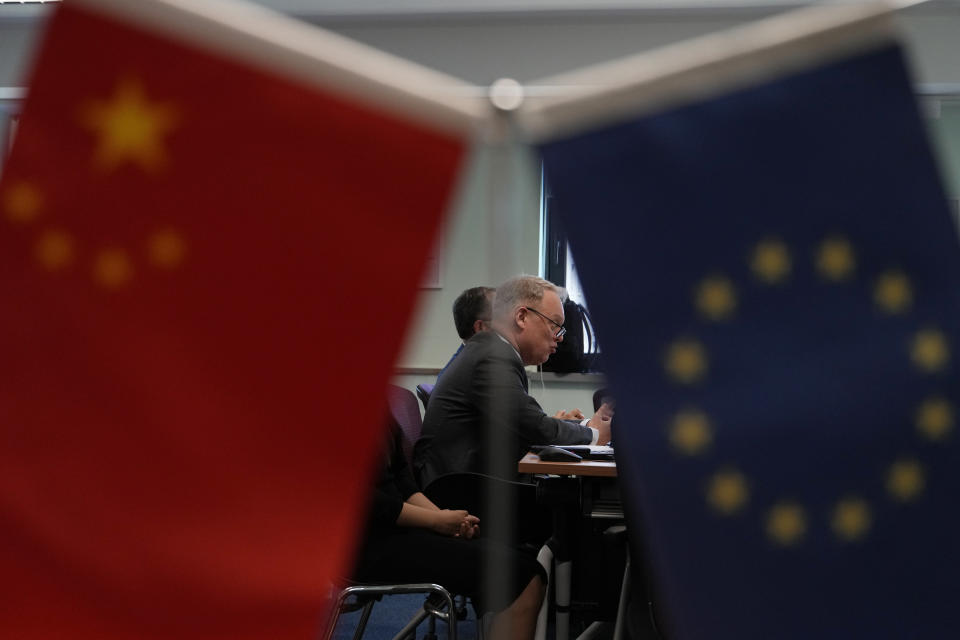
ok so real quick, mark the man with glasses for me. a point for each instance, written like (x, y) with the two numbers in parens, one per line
(472, 313)
(486, 387)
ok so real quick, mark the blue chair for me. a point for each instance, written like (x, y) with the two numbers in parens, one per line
(423, 392)
(406, 414)
(438, 606)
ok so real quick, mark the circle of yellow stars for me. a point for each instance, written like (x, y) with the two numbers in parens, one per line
(129, 129)
(690, 432)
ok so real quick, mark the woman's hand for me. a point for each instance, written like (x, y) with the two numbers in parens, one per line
(417, 511)
(454, 523)
(469, 526)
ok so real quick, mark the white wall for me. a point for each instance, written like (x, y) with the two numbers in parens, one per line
(574, 391)
(491, 234)
(17, 38)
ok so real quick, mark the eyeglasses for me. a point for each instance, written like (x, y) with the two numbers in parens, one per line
(561, 330)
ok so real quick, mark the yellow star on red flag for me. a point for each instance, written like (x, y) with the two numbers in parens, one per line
(129, 128)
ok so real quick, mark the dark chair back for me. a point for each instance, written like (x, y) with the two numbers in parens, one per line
(406, 414)
(423, 392)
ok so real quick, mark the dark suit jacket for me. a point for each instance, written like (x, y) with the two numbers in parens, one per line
(485, 385)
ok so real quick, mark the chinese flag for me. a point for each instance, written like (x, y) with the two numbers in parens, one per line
(206, 273)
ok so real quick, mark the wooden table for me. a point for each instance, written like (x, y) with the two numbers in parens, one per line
(531, 463)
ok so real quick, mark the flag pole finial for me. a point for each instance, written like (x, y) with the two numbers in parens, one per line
(506, 94)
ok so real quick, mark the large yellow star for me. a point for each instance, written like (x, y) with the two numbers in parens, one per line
(129, 128)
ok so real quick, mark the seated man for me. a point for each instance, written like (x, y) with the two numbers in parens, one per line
(472, 311)
(471, 315)
(485, 388)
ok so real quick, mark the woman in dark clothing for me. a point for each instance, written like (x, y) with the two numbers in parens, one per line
(410, 539)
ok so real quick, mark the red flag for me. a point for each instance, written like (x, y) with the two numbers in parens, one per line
(206, 271)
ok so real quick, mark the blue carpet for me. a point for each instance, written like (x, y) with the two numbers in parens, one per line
(392, 613)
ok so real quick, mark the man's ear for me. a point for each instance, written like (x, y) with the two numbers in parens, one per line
(520, 317)
(479, 325)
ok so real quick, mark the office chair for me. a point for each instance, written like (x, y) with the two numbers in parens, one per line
(440, 604)
(405, 414)
(423, 392)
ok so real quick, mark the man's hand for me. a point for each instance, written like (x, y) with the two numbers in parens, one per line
(573, 414)
(454, 523)
(601, 422)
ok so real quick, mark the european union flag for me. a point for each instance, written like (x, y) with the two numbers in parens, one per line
(775, 279)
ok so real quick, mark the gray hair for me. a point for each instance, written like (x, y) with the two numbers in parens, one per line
(520, 291)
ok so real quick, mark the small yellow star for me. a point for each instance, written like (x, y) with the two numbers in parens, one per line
(166, 249)
(129, 128)
(929, 350)
(771, 261)
(686, 361)
(892, 292)
(54, 249)
(22, 202)
(786, 523)
(727, 491)
(112, 268)
(716, 298)
(934, 418)
(835, 259)
(690, 432)
(905, 480)
(851, 519)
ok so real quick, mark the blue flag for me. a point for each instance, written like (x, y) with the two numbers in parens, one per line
(775, 280)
